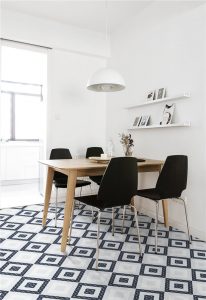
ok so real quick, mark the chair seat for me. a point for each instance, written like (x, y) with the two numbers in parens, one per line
(62, 183)
(89, 200)
(154, 195)
(96, 179)
(92, 200)
(150, 194)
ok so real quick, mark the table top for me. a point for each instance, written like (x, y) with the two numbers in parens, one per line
(84, 163)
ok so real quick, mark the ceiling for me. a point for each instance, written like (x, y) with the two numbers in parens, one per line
(85, 14)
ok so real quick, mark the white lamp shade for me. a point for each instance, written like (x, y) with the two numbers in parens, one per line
(106, 80)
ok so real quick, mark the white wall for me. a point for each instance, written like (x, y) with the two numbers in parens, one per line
(29, 29)
(164, 46)
(25, 167)
(75, 117)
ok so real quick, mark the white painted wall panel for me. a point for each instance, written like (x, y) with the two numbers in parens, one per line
(76, 116)
(19, 161)
(164, 46)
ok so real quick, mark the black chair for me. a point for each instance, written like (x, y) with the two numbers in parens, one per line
(95, 151)
(118, 186)
(60, 180)
(170, 184)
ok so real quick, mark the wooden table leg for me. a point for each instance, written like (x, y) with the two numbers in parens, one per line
(165, 212)
(50, 175)
(71, 184)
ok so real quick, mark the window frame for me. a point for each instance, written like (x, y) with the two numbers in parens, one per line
(13, 103)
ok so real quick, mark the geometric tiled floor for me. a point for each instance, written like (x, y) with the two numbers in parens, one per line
(32, 266)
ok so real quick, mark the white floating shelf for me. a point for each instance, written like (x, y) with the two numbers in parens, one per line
(185, 124)
(177, 97)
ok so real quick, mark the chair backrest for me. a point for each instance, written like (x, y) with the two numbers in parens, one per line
(173, 177)
(119, 183)
(60, 153)
(94, 151)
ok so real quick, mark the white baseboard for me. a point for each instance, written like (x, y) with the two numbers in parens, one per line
(181, 226)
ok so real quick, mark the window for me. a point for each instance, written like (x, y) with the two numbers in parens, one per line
(20, 110)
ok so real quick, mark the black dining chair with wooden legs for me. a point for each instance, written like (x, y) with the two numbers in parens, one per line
(118, 186)
(60, 180)
(171, 183)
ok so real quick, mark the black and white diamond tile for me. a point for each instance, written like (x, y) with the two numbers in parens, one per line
(149, 295)
(54, 260)
(199, 275)
(25, 236)
(32, 266)
(112, 245)
(89, 291)
(161, 250)
(178, 243)
(103, 265)
(6, 254)
(30, 285)
(2, 294)
(83, 252)
(13, 268)
(129, 257)
(67, 274)
(152, 270)
(4, 217)
(36, 247)
(93, 234)
(27, 213)
(198, 254)
(10, 226)
(123, 280)
(134, 239)
(179, 262)
(178, 286)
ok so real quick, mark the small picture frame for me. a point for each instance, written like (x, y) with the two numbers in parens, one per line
(144, 121)
(160, 93)
(136, 122)
(151, 95)
(167, 114)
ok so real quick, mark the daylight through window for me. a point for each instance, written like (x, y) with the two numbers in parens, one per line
(20, 110)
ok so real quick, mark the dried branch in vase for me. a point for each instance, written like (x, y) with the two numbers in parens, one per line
(127, 142)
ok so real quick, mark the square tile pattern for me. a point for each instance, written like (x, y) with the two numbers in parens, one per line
(33, 267)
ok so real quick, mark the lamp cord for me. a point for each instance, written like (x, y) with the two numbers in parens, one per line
(107, 22)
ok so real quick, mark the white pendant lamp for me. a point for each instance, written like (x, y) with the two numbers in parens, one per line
(106, 79)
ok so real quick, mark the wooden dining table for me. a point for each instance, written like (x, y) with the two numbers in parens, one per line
(74, 168)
